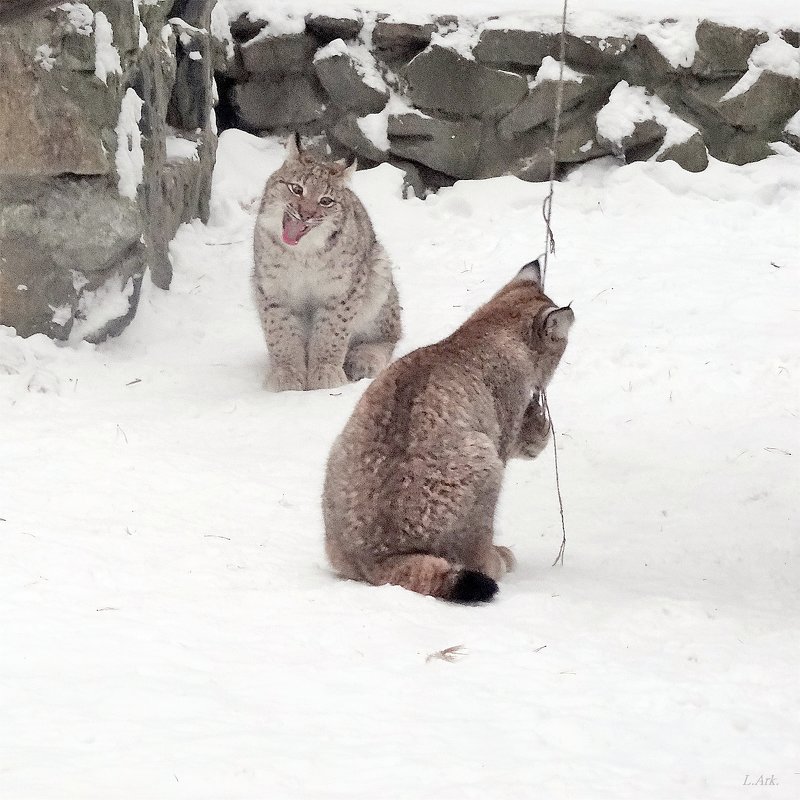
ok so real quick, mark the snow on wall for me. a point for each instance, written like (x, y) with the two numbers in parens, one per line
(628, 105)
(775, 55)
(106, 55)
(130, 157)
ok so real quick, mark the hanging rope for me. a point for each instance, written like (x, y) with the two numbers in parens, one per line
(550, 247)
(547, 205)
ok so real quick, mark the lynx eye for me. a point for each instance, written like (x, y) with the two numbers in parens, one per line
(295, 188)
(325, 201)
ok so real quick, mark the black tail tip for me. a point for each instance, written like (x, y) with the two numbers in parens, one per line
(473, 587)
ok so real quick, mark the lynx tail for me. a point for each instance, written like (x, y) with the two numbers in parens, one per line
(437, 577)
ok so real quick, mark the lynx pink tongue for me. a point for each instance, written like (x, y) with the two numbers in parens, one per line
(293, 230)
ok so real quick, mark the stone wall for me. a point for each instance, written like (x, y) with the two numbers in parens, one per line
(445, 101)
(107, 143)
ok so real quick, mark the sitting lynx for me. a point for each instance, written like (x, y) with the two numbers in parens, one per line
(322, 283)
(413, 479)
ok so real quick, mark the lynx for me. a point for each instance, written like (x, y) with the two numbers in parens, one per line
(413, 479)
(322, 282)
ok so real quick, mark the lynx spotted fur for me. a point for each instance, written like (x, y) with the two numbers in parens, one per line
(413, 479)
(322, 283)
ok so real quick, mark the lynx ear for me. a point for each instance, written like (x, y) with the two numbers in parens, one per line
(348, 172)
(293, 151)
(530, 273)
(558, 322)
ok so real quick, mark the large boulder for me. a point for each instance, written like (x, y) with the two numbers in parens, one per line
(326, 28)
(278, 54)
(350, 82)
(445, 146)
(398, 42)
(768, 103)
(593, 52)
(690, 154)
(442, 81)
(526, 156)
(723, 51)
(281, 103)
(539, 106)
(347, 132)
(513, 48)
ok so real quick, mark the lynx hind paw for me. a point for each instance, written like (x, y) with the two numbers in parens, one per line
(283, 379)
(507, 557)
(326, 376)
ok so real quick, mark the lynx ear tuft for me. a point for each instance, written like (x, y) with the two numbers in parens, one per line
(293, 148)
(530, 273)
(558, 322)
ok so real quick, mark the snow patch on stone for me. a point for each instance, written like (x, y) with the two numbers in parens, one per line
(362, 59)
(130, 157)
(775, 55)
(793, 125)
(61, 315)
(106, 59)
(629, 105)
(178, 147)
(221, 28)
(550, 69)
(44, 57)
(675, 40)
(80, 16)
(99, 307)
(375, 126)
(461, 40)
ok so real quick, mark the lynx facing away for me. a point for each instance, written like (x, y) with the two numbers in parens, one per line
(413, 479)
(322, 283)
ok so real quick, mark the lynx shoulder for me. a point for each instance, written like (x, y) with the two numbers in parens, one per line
(413, 480)
(322, 282)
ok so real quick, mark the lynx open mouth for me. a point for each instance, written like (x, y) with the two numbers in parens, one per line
(293, 229)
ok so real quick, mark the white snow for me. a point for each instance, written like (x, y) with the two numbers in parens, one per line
(775, 55)
(675, 40)
(628, 105)
(98, 307)
(106, 60)
(221, 28)
(375, 126)
(130, 156)
(80, 16)
(550, 70)
(195, 55)
(793, 125)
(335, 48)
(44, 57)
(171, 628)
(179, 147)
(362, 59)
(461, 39)
(599, 17)
(282, 19)
(142, 36)
(61, 314)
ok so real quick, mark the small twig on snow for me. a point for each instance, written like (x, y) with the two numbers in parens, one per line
(449, 654)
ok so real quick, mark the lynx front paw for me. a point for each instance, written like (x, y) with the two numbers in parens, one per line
(366, 361)
(326, 376)
(284, 379)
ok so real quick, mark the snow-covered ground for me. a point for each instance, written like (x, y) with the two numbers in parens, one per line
(598, 17)
(170, 628)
